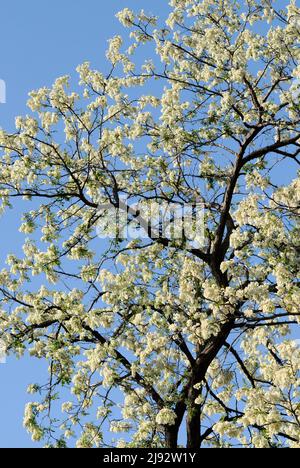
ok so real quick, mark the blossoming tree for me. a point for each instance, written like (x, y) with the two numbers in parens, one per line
(157, 337)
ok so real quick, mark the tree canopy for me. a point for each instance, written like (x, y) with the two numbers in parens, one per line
(151, 337)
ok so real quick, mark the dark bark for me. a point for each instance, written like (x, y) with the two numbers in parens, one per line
(193, 426)
(171, 434)
(203, 361)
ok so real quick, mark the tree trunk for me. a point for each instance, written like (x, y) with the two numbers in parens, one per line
(171, 433)
(193, 419)
(204, 359)
(193, 427)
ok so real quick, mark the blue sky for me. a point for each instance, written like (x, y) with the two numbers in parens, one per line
(40, 40)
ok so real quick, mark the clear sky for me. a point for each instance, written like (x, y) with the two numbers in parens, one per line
(40, 40)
